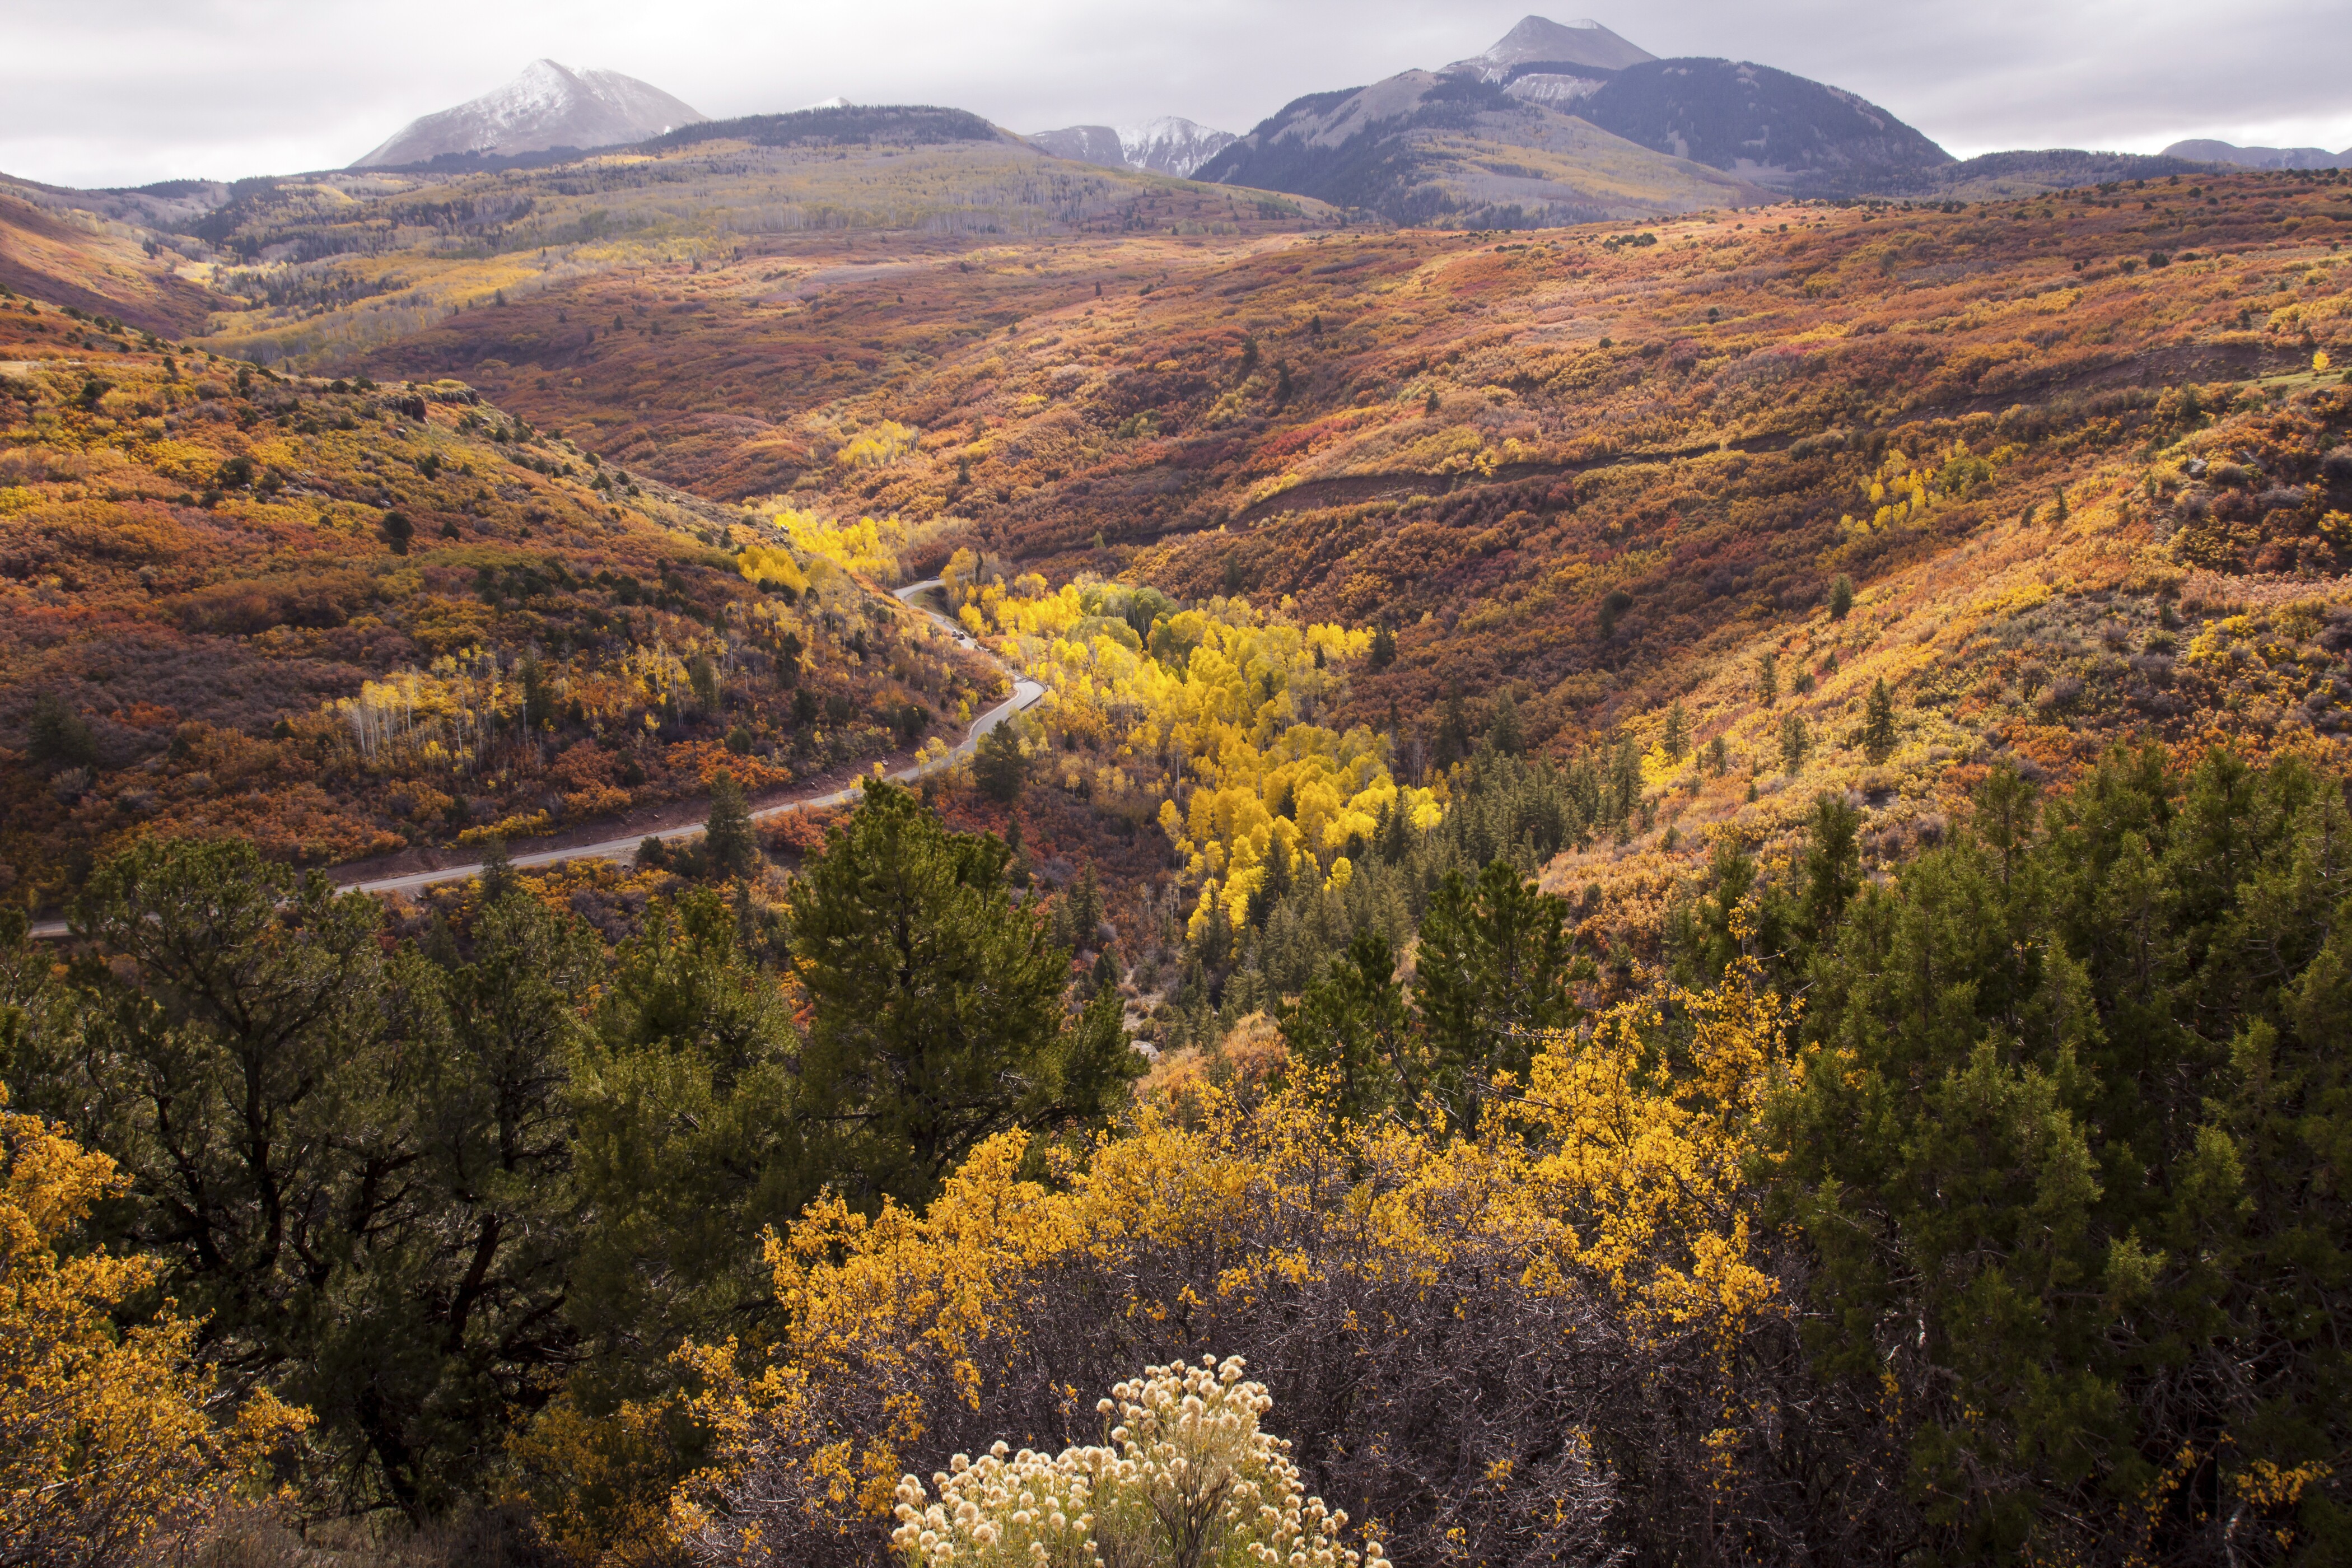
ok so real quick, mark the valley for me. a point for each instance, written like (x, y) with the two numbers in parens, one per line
(1624, 796)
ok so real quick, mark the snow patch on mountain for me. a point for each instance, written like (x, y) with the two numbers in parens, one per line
(1168, 145)
(1171, 145)
(1540, 39)
(548, 105)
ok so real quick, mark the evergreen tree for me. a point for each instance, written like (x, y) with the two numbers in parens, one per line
(1767, 678)
(1677, 741)
(729, 843)
(1878, 739)
(1502, 729)
(58, 736)
(538, 700)
(1831, 868)
(1384, 649)
(497, 871)
(1349, 1029)
(936, 1015)
(1453, 739)
(1841, 596)
(1085, 908)
(1494, 973)
(688, 1142)
(1796, 741)
(2083, 1071)
(998, 765)
(703, 677)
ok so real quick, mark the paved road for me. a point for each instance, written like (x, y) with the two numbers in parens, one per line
(1025, 692)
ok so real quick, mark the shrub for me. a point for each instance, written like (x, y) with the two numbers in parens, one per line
(1188, 1478)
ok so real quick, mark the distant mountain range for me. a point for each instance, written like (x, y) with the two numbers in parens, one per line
(1553, 123)
(1569, 123)
(1168, 145)
(2261, 157)
(548, 105)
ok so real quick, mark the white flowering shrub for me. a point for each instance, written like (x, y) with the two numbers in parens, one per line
(1187, 1481)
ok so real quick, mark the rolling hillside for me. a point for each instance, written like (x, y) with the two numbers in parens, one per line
(341, 620)
(1604, 469)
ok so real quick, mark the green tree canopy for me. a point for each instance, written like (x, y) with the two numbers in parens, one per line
(938, 1015)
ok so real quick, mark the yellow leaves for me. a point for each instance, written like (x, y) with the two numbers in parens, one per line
(1652, 1162)
(772, 563)
(866, 546)
(885, 443)
(1216, 700)
(105, 1438)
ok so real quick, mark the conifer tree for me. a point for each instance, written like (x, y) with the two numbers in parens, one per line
(1841, 597)
(1349, 1026)
(1796, 740)
(998, 766)
(936, 1004)
(1676, 739)
(1768, 679)
(728, 840)
(58, 736)
(497, 871)
(1085, 908)
(1452, 741)
(1878, 723)
(1493, 971)
(1502, 729)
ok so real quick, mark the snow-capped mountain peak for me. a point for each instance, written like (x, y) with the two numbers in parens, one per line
(1172, 144)
(1584, 42)
(547, 105)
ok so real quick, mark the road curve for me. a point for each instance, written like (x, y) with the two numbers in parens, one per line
(1024, 693)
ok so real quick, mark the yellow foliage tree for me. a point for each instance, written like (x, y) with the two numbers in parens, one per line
(1607, 1224)
(107, 1436)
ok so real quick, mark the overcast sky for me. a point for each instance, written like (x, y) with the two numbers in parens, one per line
(104, 93)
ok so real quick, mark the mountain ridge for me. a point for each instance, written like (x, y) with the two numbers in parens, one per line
(2205, 151)
(547, 105)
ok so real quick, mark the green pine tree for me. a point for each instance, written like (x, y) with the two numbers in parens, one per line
(1796, 741)
(1878, 737)
(1349, 1029)
(1503, 729)
(728, 842)
(998, 765)
(936, 1004)
(1495, 972)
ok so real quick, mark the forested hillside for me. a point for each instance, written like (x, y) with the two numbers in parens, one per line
(1678, 893)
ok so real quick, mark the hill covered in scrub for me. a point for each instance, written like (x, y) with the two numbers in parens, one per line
(1605, 773)
(340, 619)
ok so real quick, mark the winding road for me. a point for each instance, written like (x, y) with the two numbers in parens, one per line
(1025, 692)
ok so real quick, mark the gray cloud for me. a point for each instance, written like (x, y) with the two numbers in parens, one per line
(126, 91)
